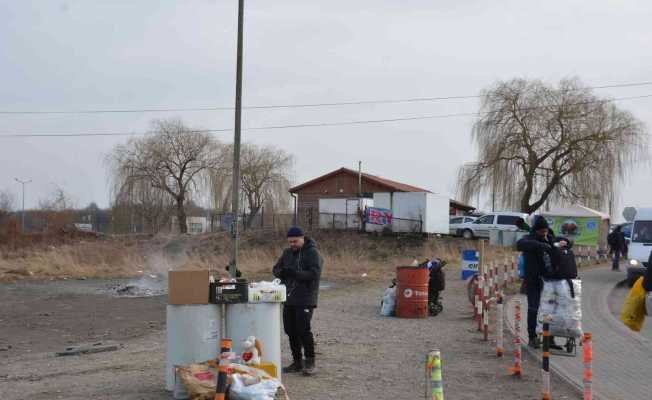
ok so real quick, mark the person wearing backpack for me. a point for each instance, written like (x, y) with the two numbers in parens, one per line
(541, 255)
(616, 240)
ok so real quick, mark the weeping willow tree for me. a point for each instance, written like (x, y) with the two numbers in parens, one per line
(171, 160)
(265, 173)
(539, 143)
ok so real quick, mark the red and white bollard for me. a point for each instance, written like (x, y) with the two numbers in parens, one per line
(517, 370)
(485, 309)
(505, 274)
(480, 301)
(500, 307)
(587, 342)
(490, 280)
(496, 280)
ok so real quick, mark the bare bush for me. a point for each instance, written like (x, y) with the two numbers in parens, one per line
(7, 201)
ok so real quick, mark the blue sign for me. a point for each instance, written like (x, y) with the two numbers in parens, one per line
(470, 263)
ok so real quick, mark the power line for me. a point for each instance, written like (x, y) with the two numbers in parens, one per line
(285, 106)
(317, 124)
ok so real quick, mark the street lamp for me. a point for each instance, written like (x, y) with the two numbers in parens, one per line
(22, 230)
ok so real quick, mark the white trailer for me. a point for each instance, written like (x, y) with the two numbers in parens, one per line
(415, 211)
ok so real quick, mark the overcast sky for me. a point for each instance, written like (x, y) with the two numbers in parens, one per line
(70, 55)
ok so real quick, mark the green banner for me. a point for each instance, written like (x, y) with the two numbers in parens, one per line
(581, 230)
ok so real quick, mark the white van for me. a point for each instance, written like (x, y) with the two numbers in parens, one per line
(640, 244)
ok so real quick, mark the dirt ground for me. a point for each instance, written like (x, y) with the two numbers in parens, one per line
(361, 355)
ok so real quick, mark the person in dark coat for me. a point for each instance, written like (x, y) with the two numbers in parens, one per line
(299, 269)
(540, 254)
(647, 276)
(618, 245)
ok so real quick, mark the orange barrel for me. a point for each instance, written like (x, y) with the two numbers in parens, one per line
(412, 294)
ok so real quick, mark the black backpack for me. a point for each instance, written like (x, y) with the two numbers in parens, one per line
(564, 265)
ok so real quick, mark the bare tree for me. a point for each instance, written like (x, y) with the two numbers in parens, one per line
(172, 159)
(541, 144)
(57, 200)
(265, 178)
(7, 201)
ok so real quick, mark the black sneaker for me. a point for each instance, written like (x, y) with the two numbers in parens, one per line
(309, 367)
(294, 368)
(534, 342)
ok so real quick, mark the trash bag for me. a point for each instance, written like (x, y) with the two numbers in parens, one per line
(561, 300)
(633, 311)
(263, 390)
(200, 380)
(388, 305)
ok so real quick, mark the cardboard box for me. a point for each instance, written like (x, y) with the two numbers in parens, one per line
(188, 287)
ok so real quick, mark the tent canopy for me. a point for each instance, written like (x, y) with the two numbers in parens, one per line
(577, 211)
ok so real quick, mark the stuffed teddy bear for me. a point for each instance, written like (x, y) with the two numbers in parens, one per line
(252, 351)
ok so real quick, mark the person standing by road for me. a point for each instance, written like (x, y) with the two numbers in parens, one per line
(299, 269)
(617, 242)
(539, 254)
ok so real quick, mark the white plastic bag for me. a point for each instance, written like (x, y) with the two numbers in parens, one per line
(264, 390)
(267, 292)
(389, 302)
(564, 309)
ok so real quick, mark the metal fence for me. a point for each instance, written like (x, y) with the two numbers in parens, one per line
(355, 222)
(247, 222)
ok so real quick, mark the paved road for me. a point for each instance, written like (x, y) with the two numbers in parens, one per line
(615, 304)
(622, 359)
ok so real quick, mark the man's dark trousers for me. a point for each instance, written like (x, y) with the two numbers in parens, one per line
(533, 291)
(616, 263)
(297, 325)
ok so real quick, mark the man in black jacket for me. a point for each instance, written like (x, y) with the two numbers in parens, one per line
(540, 255)
(618, 245)
(299, 269)
(647, 277)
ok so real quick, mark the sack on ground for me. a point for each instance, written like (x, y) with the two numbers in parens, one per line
(563, 304)
(263, 390)
(388, 305)
(633, 311)
(200, 381)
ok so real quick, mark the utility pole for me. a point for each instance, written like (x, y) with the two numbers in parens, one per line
(22, 229)
(360, 179)
(233, 268)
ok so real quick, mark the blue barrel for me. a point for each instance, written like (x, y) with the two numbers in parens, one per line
(470, 263)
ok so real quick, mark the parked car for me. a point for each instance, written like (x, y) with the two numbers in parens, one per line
(456, 222)
(640, 244)
(504, 221)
